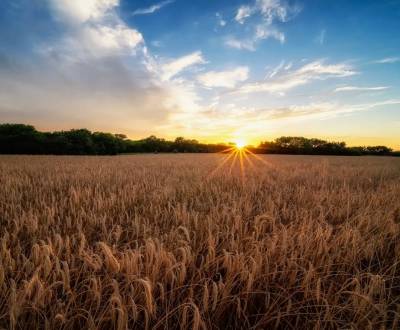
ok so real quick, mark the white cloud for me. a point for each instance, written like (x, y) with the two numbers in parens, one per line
(367, 106)
(232, 42)
(320, 38)
(316, 70)
(359, 89)
(175, 66)
(266, 12)
(275, 71)
(288, 66)
(221, 21)
(93, 29)
(262, 32)
(274, 9)
(227, 79)
(96, 70)
(248, 117)
(222, 120)
(326, 109)
(82, 10)
(112, 38)
(243, 13)
(269, 10)
(152, 9)
(265, 32)
(388, 60)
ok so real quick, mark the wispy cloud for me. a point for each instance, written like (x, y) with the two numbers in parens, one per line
(387, 60)
(282, 66)
(252, 121)
(246, 44)
(267, 12)
(360, 89)
(327, 109)
(152, 9)
(220, 19)
(316, 70)
(227, 79)
(262, 32)
(320, 38)
(270, 10)
(175, 66)
(243, 13)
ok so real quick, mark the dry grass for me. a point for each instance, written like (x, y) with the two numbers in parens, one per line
(167, 241)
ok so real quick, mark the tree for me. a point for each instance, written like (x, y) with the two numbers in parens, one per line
(19, 138)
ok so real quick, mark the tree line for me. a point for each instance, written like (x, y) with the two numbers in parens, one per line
(25, 139)
(305, 146)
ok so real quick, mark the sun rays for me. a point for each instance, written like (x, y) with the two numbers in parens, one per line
(238, 160)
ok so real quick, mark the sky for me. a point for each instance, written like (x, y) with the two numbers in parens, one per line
(214, 70)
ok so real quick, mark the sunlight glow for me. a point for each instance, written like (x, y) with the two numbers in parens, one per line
(240, 143)
(238, 160)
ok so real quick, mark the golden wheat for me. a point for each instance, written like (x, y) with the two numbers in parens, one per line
(199, 242)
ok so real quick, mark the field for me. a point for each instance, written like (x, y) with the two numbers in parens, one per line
(191, 241)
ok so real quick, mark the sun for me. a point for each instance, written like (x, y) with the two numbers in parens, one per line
(240, 143)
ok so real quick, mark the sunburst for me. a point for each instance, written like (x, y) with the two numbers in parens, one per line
(240, 143)
(238, 156)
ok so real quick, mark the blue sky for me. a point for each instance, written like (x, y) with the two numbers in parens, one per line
(207, 69)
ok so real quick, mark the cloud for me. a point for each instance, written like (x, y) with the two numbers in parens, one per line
(320, 38)
(95, 71)
(270, 10)
(316, 70)
(110, 38)
(327, 109)
(152, 9)
(92, 28)
(359, 89)
(221, 21)
(249, 121)
(279, 68)
(243, 13)
(262, 32)
(388, 60)
(321, 110)
(267, 12)
(175, 66)
(265, 32)
(101, 94)
(232, 42)
(226, 79)
(77, 11)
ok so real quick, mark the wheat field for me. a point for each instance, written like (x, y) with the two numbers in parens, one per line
(199, 242)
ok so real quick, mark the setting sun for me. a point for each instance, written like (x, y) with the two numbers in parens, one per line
(240, 143)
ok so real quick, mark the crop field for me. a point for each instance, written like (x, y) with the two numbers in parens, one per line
(196, 241)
